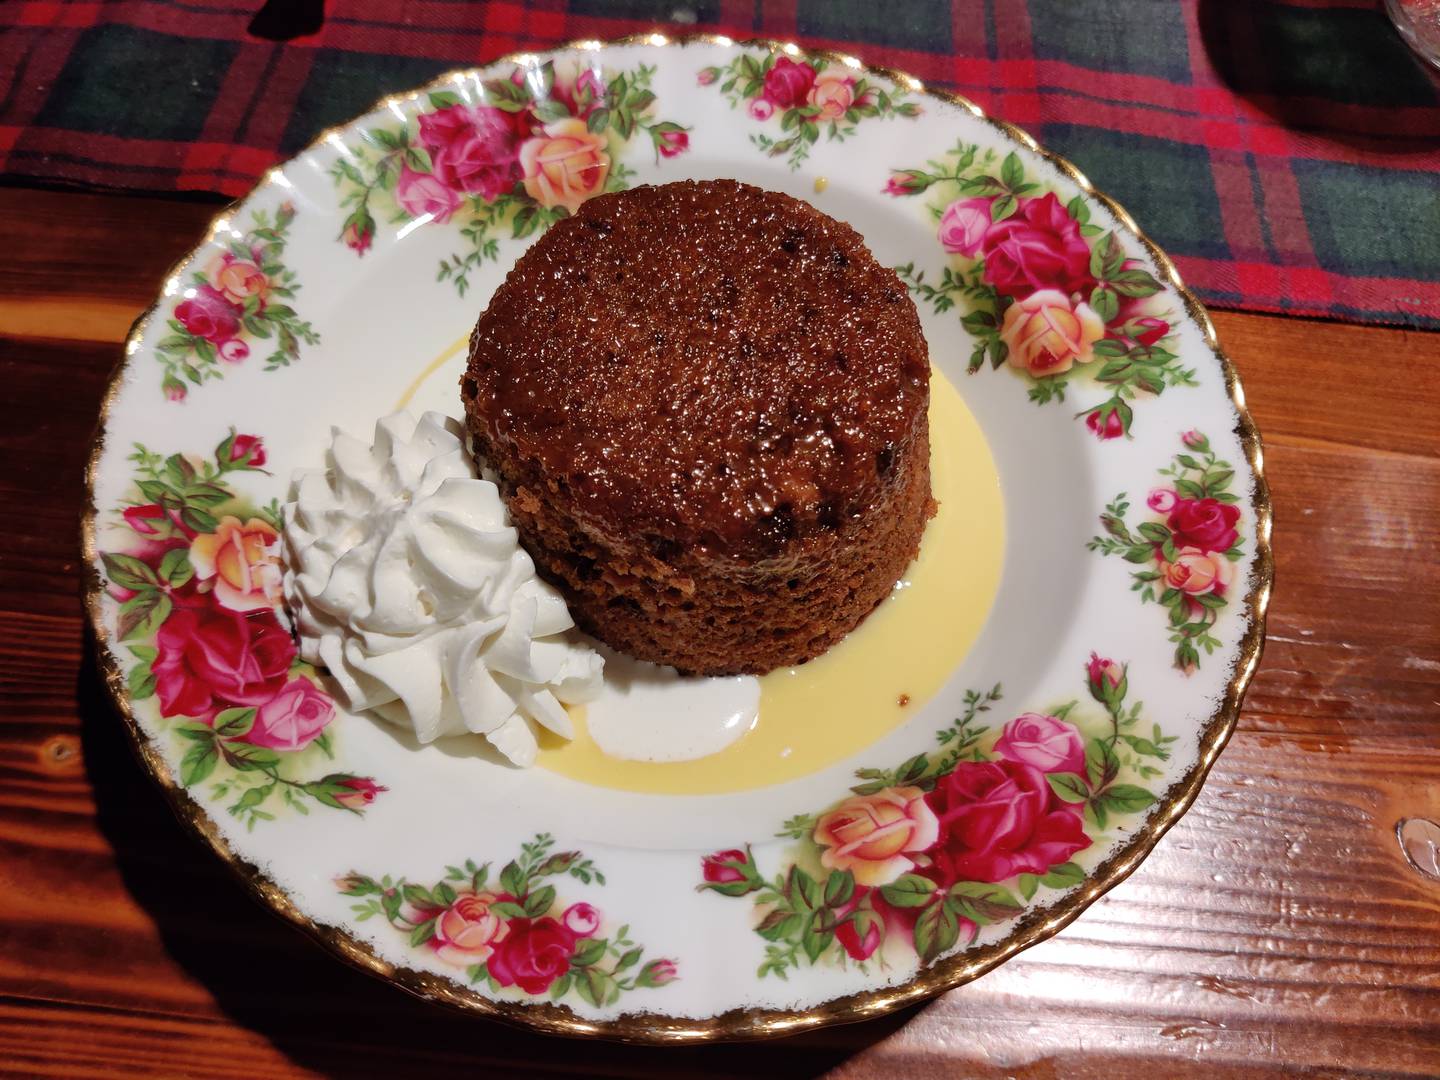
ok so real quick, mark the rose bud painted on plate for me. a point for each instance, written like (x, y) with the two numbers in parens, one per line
(1108, 421)
(657, 973)
(1108, 682)
(581, 919)
(360, 792)
(730, 873)
(1162, 500)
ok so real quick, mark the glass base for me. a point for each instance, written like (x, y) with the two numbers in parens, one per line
(1419, 24)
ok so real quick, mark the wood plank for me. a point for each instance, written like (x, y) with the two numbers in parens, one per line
(1276, 930)
(1365, 386)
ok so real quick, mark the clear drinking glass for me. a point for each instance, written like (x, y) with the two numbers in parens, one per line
(1419, 24)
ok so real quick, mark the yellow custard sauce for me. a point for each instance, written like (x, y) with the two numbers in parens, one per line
(816, 714)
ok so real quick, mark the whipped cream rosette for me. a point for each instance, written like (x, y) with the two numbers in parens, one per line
(409, 585)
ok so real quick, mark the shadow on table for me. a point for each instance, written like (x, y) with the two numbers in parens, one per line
(1329, 73)
(324, 1015)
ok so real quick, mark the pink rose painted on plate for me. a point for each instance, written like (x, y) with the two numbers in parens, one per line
(473, 148)
(1042, 742)
(999, 819)
(1187, 550)
(197, 579)
(422, 193)
(1038, 247)
(241, 295)
(809, 96)
(787, 83)
(920, 856)
(963, 225)
(1039, 285)
(209, 315)
(293, 718)
(209, 657)
(1206, 524)
(511, 931)
(503, 160)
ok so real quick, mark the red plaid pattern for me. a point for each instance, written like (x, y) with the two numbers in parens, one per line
(1285, 152)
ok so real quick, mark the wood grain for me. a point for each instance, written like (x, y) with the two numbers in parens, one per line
(1275, 930)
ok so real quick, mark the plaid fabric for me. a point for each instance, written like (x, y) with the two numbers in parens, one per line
(1285, 152)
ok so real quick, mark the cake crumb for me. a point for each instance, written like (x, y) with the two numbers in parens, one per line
(821, 183)
(903, 700)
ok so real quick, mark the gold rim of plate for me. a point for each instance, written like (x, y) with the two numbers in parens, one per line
(754, 1023)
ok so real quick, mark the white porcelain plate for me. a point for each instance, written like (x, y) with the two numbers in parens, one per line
(1001, 742)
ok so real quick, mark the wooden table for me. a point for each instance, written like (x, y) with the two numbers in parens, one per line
(1277, 927)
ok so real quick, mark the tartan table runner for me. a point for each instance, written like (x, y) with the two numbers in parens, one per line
(1286, 153)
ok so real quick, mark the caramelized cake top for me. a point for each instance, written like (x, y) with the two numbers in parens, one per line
(705, 363)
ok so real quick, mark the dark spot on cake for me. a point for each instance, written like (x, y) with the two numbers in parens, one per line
(790, 242)
(842, 361)
(884, 459)
(839, 258)
(468, 388)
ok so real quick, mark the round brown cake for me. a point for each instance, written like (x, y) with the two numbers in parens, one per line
(707, 406)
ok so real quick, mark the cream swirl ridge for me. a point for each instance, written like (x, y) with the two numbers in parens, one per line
(409, 585)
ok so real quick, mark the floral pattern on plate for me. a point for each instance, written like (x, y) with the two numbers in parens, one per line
(236, 300)
(541, 144)
(198, 581)
(515, 932)
(805, 97)
(1186, 547)
(964, 835)
(1040, 288)
(652, 846)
